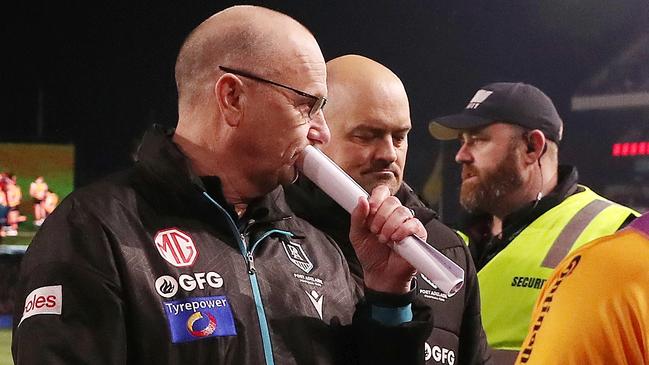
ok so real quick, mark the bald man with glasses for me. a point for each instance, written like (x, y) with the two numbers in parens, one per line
(193, 256)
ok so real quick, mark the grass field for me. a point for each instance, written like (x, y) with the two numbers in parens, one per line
(26, 232)
(5, 347)
(55, 163)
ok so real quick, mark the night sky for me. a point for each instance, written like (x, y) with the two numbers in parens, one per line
(104, 71)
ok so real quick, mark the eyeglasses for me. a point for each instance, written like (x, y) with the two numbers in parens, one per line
(318, 104)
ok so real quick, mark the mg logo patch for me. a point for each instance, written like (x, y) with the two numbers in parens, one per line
(193, 319)
(297, 256)
(176, 247)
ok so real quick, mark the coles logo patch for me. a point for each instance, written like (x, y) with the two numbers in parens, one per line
(44, 300)
(176, 247)
(192, 319)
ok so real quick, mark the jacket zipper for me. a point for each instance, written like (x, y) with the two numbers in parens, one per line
(251, 263)
(249, 258)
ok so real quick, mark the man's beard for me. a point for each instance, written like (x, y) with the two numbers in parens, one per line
(486, 192)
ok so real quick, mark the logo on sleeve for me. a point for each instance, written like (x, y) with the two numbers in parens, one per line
(44, 300)
(297, 256)
(176, 247)
(192, 319)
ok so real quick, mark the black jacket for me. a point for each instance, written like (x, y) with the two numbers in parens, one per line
(152, 266)
(457, 331)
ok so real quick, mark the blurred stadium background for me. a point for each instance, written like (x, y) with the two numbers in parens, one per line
(86, 80)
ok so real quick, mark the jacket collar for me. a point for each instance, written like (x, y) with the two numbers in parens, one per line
(164, 165)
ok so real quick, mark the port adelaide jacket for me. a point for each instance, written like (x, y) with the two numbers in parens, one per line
(457, 336)
(152, 266)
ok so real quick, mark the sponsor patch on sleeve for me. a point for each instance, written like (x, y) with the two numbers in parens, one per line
(44, 300)
(195, 318)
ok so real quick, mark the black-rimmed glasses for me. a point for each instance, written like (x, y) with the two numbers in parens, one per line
(319, 101)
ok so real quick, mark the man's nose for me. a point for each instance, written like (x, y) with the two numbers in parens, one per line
(318, 129)
(386, 150)
(463, 155)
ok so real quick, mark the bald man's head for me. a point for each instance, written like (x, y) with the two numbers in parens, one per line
(369, 117)
(240, 36)
(238, 124)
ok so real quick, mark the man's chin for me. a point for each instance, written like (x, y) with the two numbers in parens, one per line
(288, 175)
(391, 183)
(469, 196)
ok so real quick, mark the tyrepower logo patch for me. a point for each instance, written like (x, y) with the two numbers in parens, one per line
(192, 319)
(44, 300)
(176, 247)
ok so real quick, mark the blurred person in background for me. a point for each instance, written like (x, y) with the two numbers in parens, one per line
(14, 196)
(38, 190)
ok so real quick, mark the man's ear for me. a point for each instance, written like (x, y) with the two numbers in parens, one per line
(229, 92)
(536, 145)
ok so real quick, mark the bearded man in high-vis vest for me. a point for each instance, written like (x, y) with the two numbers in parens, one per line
(526, 212)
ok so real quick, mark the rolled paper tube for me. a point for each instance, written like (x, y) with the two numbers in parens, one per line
(444, 273)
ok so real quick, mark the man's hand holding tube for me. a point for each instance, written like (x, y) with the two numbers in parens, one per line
(376, 223)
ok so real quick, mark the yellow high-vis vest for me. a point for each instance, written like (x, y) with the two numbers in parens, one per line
(510, 283)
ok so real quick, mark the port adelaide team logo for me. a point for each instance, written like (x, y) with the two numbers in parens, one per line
(297, 256)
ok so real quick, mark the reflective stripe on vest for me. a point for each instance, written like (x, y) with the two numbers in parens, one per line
(510, 282)
(463, 236)
(568, 236)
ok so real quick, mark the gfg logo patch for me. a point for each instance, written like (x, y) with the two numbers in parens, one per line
(44, 300)
(167, 286)
(439, 354)
(176, 247)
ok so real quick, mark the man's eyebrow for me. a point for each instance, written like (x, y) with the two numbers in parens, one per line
(378, 130)
(366, 128)
(474, 132)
